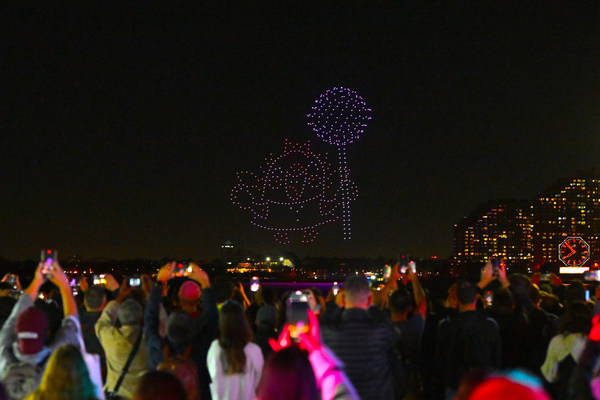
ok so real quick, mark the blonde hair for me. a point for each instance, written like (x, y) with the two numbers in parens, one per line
(65, 378)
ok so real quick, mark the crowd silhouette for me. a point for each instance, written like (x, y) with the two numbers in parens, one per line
(186, 336)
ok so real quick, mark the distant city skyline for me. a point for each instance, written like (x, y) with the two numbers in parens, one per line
(533, 232)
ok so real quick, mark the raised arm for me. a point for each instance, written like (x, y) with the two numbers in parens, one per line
(391, 284)
(418, 292)
(59, 278)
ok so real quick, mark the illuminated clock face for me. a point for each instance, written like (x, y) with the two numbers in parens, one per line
(574, 251)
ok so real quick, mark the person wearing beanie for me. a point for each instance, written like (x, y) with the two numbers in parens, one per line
(24, 336)
(187, 325)
(118, 341)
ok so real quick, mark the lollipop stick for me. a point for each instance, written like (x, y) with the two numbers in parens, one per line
(344, 189)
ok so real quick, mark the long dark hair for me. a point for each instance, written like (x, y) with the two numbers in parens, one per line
(235, 333)
(290, 369)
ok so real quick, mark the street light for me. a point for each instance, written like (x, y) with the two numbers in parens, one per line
(268, 259)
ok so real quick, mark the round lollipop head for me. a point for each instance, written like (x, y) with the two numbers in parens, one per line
(339, 116)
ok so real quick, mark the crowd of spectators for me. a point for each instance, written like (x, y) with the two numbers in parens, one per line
(182, 336)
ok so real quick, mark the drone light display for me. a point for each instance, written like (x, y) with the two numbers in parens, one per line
(294, 192)
(338, 117)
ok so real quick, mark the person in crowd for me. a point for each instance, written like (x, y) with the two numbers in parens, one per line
(511, 325)
(7, 301)
(363, 337)
(119, 341)
(186, 326)
(66, 377)
(565, 349)
(408, 312)
(94, 301)
(239, 295)
(315, 300)
(307, 369)
(159, 385)
(467, 340)
(266, 323)
(24, 348)
(540, 325)
(234, 362)
(224, 289)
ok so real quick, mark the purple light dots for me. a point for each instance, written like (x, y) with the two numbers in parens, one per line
(338, 117)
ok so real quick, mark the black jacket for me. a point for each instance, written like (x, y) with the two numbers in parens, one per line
(365, 340)
(467, 341)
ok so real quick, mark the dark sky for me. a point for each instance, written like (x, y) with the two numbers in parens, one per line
(122, 128)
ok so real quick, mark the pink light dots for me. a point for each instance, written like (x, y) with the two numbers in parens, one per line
(294, 192)
(338, 117)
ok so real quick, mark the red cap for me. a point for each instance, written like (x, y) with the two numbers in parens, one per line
(31, 328)
(189, 290)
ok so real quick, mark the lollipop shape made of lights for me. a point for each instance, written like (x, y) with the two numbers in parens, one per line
(339, 117)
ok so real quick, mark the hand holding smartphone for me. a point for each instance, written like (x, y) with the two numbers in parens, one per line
(335, 288)
(47, 258)
(135, 281)
(297, 311)
(254, 284)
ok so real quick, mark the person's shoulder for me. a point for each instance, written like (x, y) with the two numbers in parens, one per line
(376, 314)
(253, 349)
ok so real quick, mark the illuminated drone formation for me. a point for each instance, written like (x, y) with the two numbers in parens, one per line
(293, 192)
(339, 116)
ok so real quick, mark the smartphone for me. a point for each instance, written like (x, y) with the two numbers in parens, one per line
(335, 288)
(387, 271)
(99, 279)
(48, 257)
(181, 268)
(413, 266)
(135, 281)
(587, 295)
(488, 298)
(297, 310)
(496, 265)
(254, 284)
(545, 277)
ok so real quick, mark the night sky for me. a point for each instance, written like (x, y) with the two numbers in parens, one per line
(122, 128)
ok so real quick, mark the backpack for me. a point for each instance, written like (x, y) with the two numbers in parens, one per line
(21, 379)
(184, 369)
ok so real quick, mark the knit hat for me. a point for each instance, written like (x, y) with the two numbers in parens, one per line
(31, 328)
(189, 291)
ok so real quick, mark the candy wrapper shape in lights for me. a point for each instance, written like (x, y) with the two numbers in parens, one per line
(294, 193)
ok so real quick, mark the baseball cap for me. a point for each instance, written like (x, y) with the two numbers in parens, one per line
(31, 328)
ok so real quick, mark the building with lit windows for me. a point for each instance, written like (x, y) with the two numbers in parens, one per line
(568, 208)
(494, 229)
